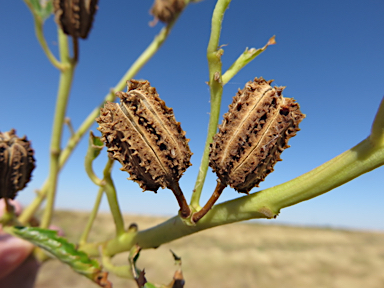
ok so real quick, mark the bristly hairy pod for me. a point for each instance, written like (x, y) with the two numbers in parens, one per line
(75, 17)
(16, 163)
(143, 135)
(166, 10)
(254, 133)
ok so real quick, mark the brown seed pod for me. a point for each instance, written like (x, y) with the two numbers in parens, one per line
(166, 10)
(143, 135)
(16, 163)
(75, 17)
(254, 133)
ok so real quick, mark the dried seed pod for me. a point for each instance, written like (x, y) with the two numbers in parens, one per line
(75, 17)
(166, 10)
(142, 134)
(16, 163)
(254, 133)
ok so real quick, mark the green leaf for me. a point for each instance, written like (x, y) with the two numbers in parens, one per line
(42, 8)
(63, 250)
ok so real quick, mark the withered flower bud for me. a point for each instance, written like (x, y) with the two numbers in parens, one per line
(16, 163)
(166, 10)
(254, 133)
(75, 17)
(143, 135)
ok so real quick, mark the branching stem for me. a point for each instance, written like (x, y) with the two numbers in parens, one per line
(40, 37)
(87, 123)
(65, 84)
(216, 194)
(360, 159)
(216, 89)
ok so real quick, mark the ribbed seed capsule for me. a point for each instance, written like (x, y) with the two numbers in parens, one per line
(166, 10)
(143, 135)
(254, 133)
(75, 17)
(16, 163)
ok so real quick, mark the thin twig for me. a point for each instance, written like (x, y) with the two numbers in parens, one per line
(214, 54)
(215, 195)
(184, 208)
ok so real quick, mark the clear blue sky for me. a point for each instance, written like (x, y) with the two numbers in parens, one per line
(329, 54)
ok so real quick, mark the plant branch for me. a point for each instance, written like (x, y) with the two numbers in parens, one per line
(110, 191)
(214, 54)
(66, 78)
(264, 204)
(123, 271)
(185, 211)
(38, 22)
(90, 120)
(247, 56)
(92, 217)
(216, 194)
(377, 131)
(95, 146)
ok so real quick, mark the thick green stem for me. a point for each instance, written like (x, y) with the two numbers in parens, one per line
(377, 131)
(216, 90)
(361, 159)
(66, 77)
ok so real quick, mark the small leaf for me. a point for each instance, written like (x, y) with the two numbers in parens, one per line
(64, 251)
(42, 8)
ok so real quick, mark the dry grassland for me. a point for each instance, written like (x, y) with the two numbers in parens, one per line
(240, 255)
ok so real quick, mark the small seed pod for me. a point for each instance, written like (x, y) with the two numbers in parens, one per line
(16, 163)
(166, 10)
(75, 17)
(142, 134)
(254, 133)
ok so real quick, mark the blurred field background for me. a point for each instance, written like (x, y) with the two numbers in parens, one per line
(239, 255)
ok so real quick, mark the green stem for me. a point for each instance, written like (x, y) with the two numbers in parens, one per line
(40, 37)
(66, 78)
(148, 53)
(92, 216)
(247, 56)
(95, 145)
(361, 159)
(377, 131)
(216, 90)
(123, 271)
(110, 191)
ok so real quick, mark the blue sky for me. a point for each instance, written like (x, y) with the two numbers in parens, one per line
(329, 54)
